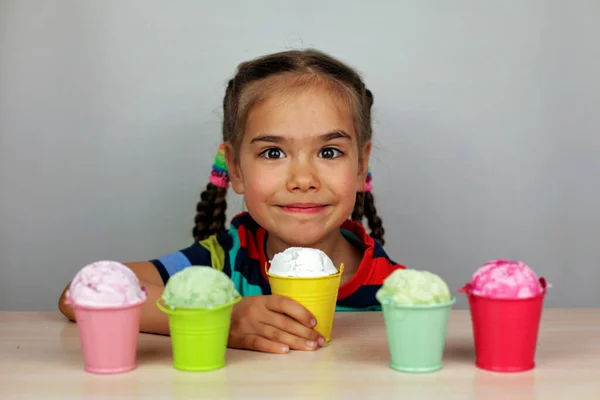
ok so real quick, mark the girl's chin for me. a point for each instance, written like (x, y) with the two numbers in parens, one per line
(303, 236)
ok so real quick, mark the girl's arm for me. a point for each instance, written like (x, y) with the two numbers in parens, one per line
(153, 320)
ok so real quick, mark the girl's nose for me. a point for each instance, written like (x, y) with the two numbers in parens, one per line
(303, 177)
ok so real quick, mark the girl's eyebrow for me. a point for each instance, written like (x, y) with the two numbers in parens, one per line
(326, 137)
(337, 134)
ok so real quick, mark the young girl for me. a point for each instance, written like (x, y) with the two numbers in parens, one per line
(296, 144)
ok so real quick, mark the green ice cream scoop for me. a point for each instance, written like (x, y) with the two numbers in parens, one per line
(199, 287)
(411, 286)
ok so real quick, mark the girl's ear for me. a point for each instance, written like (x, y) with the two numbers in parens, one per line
(363, 167)
(233, 169)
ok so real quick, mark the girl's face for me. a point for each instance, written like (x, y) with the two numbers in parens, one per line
(298, 165)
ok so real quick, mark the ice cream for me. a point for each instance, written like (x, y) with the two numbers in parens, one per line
(105, 284)
(199, 301)
(107, 299)
(416, 306)
(506, 299)
(505, 279)
(302, 262)
(309, 277)
(199, 287)
(410, 286)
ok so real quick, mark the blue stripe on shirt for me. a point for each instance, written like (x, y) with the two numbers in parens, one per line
(175, 262)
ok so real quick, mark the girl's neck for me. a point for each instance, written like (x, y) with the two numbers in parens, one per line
(335, 246)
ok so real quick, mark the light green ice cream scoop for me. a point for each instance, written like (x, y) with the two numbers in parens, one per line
(411, 286)
(199, 287)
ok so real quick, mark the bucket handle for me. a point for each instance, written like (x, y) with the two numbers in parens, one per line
(465, 289)
(161, 307)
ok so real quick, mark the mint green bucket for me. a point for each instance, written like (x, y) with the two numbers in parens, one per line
(416, 335)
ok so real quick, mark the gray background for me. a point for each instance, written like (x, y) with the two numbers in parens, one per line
(487, 124)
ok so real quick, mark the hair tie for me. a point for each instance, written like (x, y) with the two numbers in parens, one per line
(368, 186)
(219, 175)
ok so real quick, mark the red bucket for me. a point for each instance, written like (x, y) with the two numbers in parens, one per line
(505, 330)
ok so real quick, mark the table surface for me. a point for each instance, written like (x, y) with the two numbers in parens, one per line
(40, 357)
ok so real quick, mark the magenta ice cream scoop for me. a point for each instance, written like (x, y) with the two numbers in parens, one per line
(505, 279)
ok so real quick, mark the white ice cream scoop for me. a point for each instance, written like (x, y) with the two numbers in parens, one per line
(302, 262)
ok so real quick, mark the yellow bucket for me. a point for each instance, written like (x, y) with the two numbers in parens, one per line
(318, 295)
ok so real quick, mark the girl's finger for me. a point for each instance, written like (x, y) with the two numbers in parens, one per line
(285, 305)
(292, 341)
(290, 325)
(260, 343)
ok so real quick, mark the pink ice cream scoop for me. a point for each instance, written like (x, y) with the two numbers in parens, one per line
(506, 279)
(105, 284)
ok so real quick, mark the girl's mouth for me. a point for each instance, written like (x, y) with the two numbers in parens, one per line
(303, 208)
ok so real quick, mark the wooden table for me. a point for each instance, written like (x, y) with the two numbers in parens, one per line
(40, 358)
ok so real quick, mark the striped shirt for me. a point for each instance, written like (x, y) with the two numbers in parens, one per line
(240, 253)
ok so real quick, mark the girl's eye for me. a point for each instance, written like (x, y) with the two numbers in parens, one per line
(330, 153)
(272, 153)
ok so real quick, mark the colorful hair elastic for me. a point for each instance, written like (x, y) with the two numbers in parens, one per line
(368, 186)
(219, 175)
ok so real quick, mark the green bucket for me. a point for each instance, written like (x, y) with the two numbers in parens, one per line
(199, 336)
(416, 335)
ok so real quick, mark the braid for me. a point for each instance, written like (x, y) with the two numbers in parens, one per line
(359, 209)
(365, 202)
(210, 212)
(375, 223)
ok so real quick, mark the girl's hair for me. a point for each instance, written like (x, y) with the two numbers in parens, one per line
(254, 81)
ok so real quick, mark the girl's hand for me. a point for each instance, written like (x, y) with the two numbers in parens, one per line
(273, 324)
